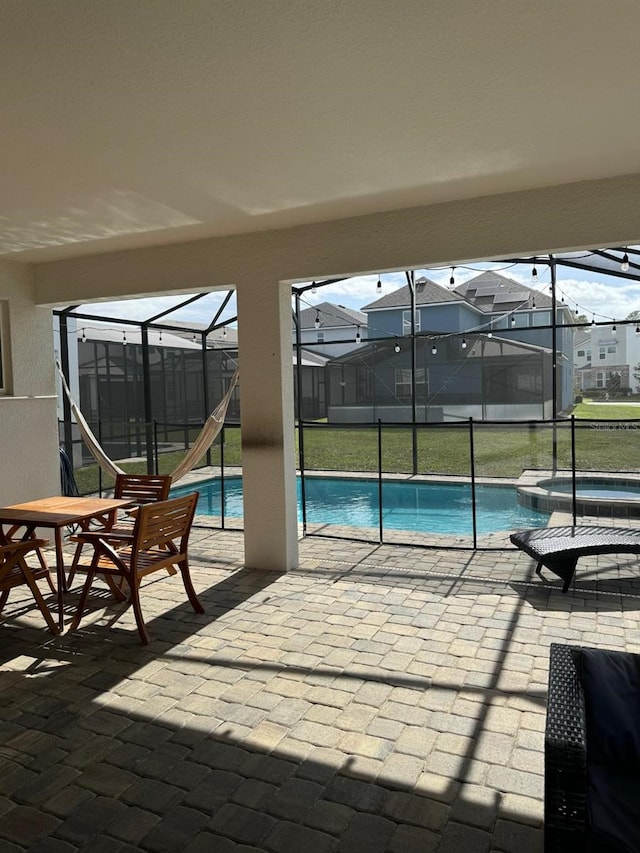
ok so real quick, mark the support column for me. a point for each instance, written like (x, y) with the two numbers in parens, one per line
(268, 434)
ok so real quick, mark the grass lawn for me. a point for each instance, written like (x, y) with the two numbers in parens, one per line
(499, 451)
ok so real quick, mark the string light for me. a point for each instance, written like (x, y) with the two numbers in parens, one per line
(313, 287)
(533, 302)
(464, 343)
(614, 328)
(637, 330)
(452, 280)
(593, 320)
(624, 266)
(397, 346)
(160, 337)
(358, 338)
(513, 320)
(379, 284)
(316, 322)
(124, 339)
(84, 337)
(489, 334)
(576, 312)
(434, 350)
(224, 331)
(534, 275)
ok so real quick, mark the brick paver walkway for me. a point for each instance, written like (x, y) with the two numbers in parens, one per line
(376, 699)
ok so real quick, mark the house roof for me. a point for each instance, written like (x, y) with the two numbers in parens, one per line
(330, 316)
(427, 293)
(491, 292)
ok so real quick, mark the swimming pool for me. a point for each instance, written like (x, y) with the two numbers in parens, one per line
(441, 508)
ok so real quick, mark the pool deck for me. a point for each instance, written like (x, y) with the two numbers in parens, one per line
(377, 698)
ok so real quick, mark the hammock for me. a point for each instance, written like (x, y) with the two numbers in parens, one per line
(205, 439)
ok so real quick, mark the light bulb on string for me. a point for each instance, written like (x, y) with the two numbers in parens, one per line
(224, 331)
(397, 346)
(379, 284)
(637, 330)
(313, 287)
(533, 302)
(464, 343)
(316, 322)
(534, 275)
(452, 280)
(614, 328)
(513, 320)
(124, 339)
(358, 338)
(84, 337)
(160, 337)
(624, 266)
(593, 320)
(434, 350)
(489, 334)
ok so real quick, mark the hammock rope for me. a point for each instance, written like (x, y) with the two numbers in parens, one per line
(203, 442)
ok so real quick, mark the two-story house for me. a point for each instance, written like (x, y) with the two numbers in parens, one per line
(605, 358)
(481, 350)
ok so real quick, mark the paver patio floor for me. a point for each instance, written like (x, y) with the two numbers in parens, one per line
(378, 698)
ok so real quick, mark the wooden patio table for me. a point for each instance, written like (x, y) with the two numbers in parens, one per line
(55, 513)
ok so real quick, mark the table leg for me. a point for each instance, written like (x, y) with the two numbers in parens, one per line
(62, 581)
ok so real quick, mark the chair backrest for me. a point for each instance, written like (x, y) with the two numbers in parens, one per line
(164, 521)
(142, 488)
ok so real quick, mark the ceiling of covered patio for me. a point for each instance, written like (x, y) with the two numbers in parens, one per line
(127, 129)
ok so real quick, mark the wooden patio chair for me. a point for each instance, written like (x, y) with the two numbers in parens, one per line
(140, 489)
(159, 540)
(15, 571)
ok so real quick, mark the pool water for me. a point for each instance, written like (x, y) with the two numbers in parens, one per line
(421, 507)
(596, 489)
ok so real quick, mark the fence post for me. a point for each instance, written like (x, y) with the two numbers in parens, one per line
(155, 446)
(99, 467)
(381, 531)
(222, 477)
(573, 467)
(472, 457)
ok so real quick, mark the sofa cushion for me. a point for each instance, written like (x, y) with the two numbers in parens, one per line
(611, 684)
(612, 806)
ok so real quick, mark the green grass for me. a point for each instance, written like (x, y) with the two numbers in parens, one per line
(606, 411)
(499, 451)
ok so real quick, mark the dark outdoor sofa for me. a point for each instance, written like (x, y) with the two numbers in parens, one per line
(592, 751)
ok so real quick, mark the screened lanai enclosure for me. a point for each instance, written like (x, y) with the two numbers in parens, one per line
(435, 407)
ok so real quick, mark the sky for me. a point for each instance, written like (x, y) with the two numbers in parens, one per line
(605, 298)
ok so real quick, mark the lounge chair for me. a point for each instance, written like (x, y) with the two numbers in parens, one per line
(559, 548)
(159, 541)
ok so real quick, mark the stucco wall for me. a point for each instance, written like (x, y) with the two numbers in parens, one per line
(29, 465)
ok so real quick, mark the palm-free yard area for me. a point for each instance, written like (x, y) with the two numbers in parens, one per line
(606, 439)
(376, 699)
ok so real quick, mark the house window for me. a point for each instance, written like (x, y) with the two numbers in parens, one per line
(611, 349)
(581, 353)
(588, 355)
(600, 379)
(320, 337)
(541, 318)
(406, 322)
(403, 381)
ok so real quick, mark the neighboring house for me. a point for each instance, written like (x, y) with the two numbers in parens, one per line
(331, 330)
(603, 356)
(491, 360)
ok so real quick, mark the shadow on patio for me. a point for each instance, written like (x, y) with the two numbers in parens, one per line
(345, 706)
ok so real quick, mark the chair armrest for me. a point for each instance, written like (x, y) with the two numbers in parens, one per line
(565, 749)
(23, 545)
(94, 536)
